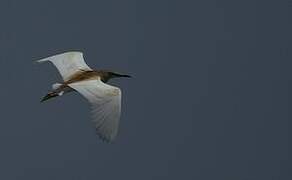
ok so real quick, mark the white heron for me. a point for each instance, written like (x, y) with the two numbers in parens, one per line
(105, 99)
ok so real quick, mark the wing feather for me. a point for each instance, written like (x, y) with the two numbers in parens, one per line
(105, 101)
(68, 63)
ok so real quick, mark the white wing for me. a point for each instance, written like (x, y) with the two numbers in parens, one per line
(68, 63)
(106, 106)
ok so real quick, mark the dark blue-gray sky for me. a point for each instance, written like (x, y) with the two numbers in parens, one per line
(210, 98)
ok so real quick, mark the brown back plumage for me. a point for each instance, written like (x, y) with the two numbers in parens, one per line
(86, 75)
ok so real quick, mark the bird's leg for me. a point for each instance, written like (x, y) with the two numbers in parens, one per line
(49, 96)
(58, 92)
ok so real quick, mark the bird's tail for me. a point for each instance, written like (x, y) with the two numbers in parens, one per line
(49, 96)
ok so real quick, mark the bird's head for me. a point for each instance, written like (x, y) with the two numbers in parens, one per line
(110, 75)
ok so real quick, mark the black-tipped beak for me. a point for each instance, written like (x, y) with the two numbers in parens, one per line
(127, 76)
(121, 75)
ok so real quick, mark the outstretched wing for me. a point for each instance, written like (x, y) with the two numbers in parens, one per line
(106, 106)
(68, 63)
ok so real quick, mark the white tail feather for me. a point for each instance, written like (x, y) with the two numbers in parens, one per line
(56, 86)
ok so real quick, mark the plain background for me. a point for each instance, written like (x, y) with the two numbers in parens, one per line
(210, 96)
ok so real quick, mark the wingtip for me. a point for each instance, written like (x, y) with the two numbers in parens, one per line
(105, 139)
(42, 60)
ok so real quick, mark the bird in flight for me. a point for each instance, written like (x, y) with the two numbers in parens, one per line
(105, 99)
